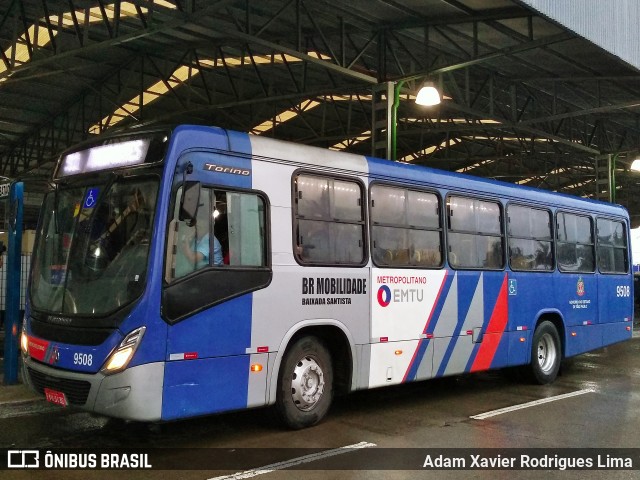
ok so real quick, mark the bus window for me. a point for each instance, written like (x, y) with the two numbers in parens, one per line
(575, 243)
(612, 246)
(329, 221)
(229, 231)
(405, 228)
(475, 234)
(193, 249)
(530, 238)
(239, 224)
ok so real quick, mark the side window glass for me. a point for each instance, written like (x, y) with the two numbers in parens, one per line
(405, 228)
(575, 243)
(423, 210)
(313, 197)
(530, 245)
(192, 248)
(329, 220)
(388, 205)
(239, 226)
(613, 256)
(475, 237)
(230, 231)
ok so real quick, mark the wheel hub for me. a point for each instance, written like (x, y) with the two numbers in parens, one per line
(307, 384)
(546, 353)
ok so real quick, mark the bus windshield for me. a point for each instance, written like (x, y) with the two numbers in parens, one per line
(91, 256)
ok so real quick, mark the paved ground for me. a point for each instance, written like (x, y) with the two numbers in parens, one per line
(593, 404)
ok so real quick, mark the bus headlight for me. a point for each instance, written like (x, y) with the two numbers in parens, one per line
(24, 339)
(121, 356)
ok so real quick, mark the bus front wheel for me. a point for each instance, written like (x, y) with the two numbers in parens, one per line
(305, 383)
(546, 353)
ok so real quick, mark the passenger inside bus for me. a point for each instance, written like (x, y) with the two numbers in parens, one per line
(313, 241)
(195, 245)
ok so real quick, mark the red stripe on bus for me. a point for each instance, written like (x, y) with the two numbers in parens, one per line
(497, 325)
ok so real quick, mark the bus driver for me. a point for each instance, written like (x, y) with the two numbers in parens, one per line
(195, 247)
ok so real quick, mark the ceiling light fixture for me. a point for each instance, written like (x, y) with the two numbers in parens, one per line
(428, 95)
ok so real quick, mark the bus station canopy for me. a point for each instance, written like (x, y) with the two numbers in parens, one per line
(533, 93)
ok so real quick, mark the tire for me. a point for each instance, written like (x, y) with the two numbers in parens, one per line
(546, 353)
(305, 383)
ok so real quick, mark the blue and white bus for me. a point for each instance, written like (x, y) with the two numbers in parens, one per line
(198, 270)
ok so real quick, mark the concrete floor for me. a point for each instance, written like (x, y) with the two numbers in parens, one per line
(405, 424)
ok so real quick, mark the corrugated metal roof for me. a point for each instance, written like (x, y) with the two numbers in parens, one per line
(524, 99)
(612, 25)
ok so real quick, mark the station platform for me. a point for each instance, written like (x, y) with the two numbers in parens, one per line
(14, 394)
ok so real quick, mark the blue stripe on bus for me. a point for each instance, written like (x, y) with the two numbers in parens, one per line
(441, 301)
(467, 285)
(424, 343)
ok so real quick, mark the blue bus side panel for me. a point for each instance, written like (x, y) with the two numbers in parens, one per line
(493, 350)
(616, 332)
(615, 301)
(218, 331)
(519, 351)
(529, 295)
(582, 338)
(577, 297)
(198, 387)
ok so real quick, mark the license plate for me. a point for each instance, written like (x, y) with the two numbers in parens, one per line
(53, 396)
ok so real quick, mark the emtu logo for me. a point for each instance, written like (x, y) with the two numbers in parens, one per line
(399, 295)
(384, 296)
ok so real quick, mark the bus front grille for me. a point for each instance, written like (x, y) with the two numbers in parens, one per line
(76, 391)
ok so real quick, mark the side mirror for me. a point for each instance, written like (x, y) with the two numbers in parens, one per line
(189, 202)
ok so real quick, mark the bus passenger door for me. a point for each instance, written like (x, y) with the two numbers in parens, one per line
(577, 284)
(577, 295)
(615, 301)
(615, 281)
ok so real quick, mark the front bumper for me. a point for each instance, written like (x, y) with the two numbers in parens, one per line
(133, 394)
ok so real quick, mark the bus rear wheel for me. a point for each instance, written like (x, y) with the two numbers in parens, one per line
(546, 353)
(305, 383)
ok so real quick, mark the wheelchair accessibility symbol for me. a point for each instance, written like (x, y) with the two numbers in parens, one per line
(513, 287)
(91, 198)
